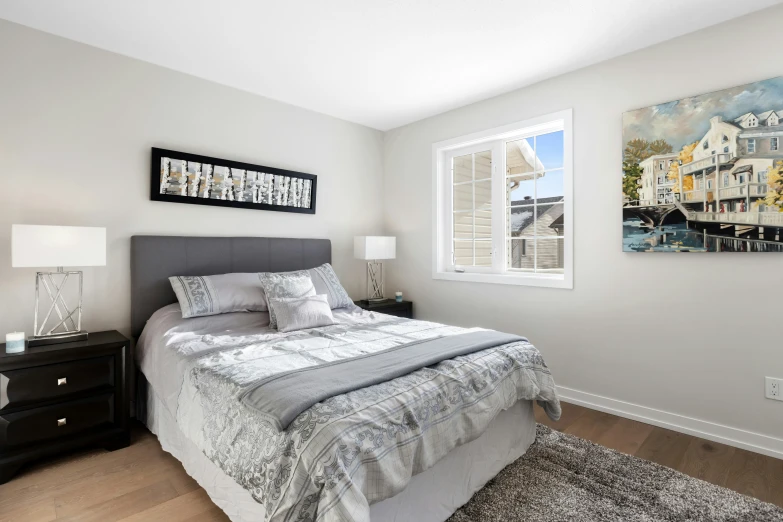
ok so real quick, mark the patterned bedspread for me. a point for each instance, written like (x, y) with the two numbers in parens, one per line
(347, 452)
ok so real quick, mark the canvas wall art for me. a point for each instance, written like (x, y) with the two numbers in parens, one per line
(190, 178)
(705, 173)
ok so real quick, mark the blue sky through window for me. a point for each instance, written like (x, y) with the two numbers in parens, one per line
(549, 149)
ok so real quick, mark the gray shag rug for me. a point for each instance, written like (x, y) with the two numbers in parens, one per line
(564, 478)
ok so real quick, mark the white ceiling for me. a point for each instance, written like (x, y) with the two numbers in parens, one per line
(381, 63)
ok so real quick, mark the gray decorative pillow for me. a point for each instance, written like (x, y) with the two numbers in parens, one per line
(326, 282)
(218, 294)
(298, 313)
(285, 284)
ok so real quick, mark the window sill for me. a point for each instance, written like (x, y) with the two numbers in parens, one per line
(542, 280)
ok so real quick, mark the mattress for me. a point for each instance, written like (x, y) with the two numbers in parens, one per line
(415, 447)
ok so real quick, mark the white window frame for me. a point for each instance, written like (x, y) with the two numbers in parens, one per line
(776, 141)
(751, 144)
(442, 263)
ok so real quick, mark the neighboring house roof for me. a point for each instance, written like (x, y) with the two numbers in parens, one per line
(522, 217)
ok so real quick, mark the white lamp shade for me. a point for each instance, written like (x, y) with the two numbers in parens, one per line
(374, 247)
(54, 246)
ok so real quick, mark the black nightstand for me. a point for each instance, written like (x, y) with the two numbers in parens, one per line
(57, 397)
(388, 306)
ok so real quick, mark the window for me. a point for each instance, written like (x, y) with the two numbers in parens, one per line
(724, 139)
(725, 149)
(709, 184)
(705, 145)
(726, 180)
(503, 205)
(751, 146)
(773, 144)
(742, 178)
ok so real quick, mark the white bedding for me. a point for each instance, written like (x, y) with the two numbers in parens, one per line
(192, 364)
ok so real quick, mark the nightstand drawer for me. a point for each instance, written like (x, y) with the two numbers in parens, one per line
(399, 311)
(33, 385)
(50, 422)
(388, 306)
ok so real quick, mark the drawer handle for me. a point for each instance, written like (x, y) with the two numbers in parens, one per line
(61, 422)
(61, 381)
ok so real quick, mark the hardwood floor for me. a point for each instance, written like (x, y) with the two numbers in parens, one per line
(144, 483)
(743, 471)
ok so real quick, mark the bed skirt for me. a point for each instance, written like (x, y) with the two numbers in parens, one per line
(431, 496)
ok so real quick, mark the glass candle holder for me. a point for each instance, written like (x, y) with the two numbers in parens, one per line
(14, 342)
(398, 297)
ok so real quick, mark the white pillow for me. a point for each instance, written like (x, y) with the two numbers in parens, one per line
(218, 294)
(285, 284)
(326, 282)
(298, 313)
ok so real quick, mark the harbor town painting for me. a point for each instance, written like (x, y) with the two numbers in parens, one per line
(705, 173)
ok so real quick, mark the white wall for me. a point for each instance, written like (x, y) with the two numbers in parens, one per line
(76, 127)
(688, 334)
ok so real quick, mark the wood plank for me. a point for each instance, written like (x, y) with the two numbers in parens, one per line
(570, 413)
(126, 505)
(707, 460)
(178, 509)
(665, 447)
(747, 474)
(214, 514)
(143, 461)
(626, 436)
(775, 472)
(182, 482)
(62, 468)
(592, 425)
(42, 511)
(102, 488)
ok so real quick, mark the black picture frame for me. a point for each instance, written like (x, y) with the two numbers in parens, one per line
(155, 182)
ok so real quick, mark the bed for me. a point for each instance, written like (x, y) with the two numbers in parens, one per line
(413, 448)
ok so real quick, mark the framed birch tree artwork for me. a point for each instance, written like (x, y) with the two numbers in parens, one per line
(180, 177)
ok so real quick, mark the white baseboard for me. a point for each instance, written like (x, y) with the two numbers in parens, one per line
(736, 437)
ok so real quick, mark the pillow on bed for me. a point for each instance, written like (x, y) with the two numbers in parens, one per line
(218, 294)
(298, 313)
(326, 282)
(285, 284)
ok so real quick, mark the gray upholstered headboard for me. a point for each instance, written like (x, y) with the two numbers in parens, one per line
(155, 258)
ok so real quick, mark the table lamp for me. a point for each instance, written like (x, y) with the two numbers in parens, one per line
(57, 246)
(371, 249)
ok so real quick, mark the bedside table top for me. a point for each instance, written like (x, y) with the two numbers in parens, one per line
(36, 353)
(380, 304)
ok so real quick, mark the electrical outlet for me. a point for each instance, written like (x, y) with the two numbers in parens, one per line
(774, 388)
